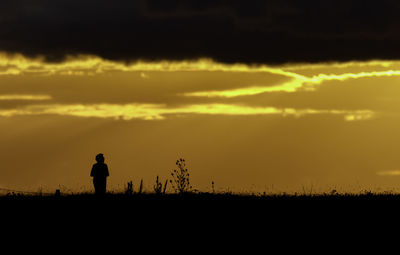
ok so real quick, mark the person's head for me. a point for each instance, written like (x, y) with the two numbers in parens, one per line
(100, 158)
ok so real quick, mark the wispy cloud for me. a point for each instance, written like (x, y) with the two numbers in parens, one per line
(389, 173)
(24, 97)
(91, 65)
(17, 64)
(297, 82)
(160, 111)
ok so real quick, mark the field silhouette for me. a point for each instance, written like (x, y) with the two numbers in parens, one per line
(186, 213)
(177, 194)
(205, 220)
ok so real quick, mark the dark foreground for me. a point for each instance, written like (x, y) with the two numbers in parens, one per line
(206, 218)
(205, 206)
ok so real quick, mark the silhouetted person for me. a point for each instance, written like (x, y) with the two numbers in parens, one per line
(100, 173)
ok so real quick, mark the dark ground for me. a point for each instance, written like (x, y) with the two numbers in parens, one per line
(204, 220)
(216, 208)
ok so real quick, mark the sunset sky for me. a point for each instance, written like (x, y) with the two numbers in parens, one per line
(274, 96)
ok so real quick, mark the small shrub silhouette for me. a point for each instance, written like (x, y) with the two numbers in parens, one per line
(180, 178)
(129, 188)
(140, 187)
(165, 186)
(158, 187)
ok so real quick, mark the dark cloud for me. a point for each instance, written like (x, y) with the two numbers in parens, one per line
(273, 31)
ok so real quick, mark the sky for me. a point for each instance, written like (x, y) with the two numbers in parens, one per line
(267, 96)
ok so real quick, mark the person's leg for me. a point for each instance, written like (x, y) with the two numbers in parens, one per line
(97, 187)
(102, 187)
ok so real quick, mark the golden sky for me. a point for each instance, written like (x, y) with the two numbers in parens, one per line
(245, 127)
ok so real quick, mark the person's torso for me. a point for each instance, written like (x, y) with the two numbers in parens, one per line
(100, 170)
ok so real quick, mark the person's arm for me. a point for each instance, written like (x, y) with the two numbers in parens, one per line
(107, 173)
(92, 172)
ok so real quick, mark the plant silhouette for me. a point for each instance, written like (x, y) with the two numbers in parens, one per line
(180, 177)
(158, 187)
(129, 188)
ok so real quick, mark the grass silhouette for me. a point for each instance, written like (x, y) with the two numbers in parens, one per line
(182, 190)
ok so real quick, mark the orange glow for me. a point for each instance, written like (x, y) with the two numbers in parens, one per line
(274, 128)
